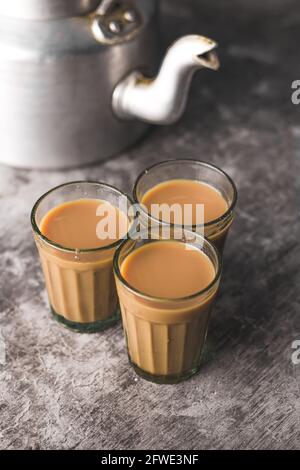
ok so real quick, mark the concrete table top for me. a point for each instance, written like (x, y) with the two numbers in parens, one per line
(62, 390)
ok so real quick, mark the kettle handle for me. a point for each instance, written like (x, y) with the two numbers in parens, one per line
(115, 25)
(104, 7)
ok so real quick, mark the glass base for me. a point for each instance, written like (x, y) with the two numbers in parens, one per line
(164, 379)
(93, 327)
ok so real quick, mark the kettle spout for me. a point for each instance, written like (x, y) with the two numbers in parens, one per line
(162, 100)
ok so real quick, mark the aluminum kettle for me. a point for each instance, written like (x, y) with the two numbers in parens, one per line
(75, 78)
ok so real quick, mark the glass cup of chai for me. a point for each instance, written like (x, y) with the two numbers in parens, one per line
(166, 289)
(77, 228)
(190, 193)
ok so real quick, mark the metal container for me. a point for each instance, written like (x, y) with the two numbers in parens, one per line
(73, 78)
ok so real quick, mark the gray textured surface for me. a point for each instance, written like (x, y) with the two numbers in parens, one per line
(59, 389)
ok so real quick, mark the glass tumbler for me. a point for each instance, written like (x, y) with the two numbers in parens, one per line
(80, 283)
(215, 230)
(165, 337)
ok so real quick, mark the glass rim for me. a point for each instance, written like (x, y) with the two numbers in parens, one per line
(145, 296)
(74, 250)
(198, 162)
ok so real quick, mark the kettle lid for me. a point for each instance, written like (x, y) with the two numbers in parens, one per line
(46, 9)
